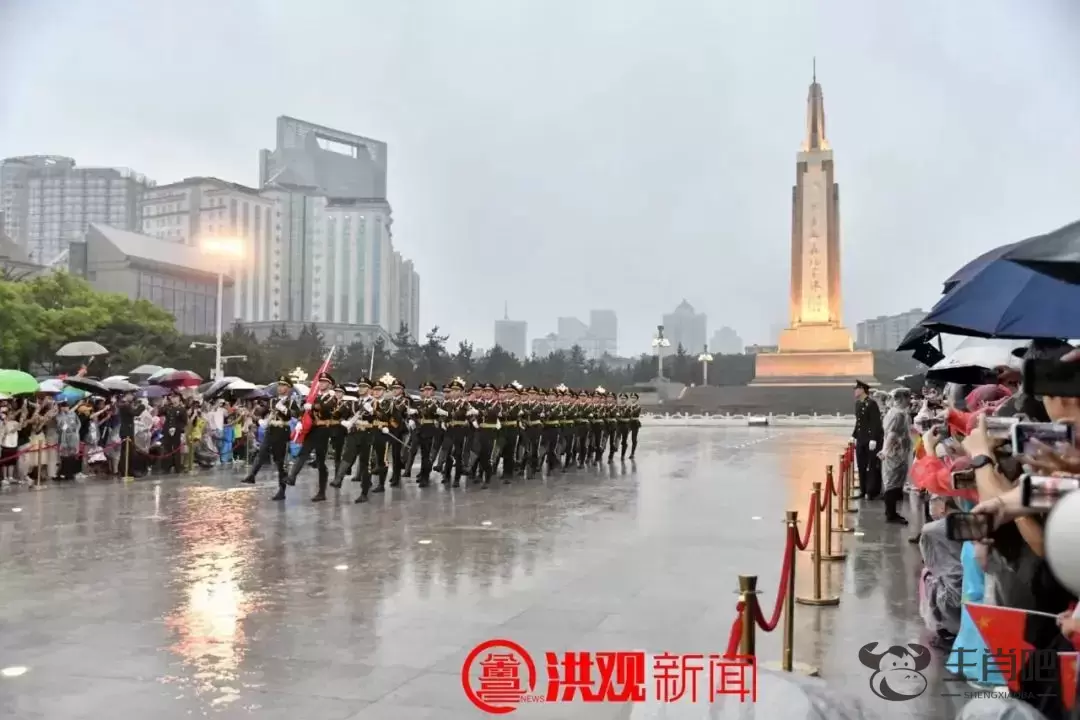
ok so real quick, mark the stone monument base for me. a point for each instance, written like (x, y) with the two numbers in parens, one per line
(821, 369)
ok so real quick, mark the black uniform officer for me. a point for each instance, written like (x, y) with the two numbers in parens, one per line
(323, 411)
(275, 443)
(869, 435)
(424, 437)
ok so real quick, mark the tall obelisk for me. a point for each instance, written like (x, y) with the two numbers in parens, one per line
(815, 344)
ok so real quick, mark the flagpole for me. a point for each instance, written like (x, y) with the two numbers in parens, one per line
(371, 367)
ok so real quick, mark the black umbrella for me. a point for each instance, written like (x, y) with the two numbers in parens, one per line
(94, 387)
(916, 336)
(1056, 254)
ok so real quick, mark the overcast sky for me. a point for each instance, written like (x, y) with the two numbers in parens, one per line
(564, 155)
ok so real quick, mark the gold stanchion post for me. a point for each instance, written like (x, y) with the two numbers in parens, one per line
(787, 662)
(748, 597)
(127, 460)
(817, 599)
(842, 499)
(855, 484)
(828, 555)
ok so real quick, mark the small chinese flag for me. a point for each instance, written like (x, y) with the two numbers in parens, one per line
(1003, 629)
(1067, 665)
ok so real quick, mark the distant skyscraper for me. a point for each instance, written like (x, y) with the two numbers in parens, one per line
(510, 335)
(726, 341)
(48, 202)
(544, 346)
(886, 331)
(571, 332)
(334, 260)
(685, 327)
(604, 330)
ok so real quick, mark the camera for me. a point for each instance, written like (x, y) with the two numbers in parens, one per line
(961, 527)
(1000, 428)
(1051, 377)
(1050, 434)
(963, 479)
(1041, 492)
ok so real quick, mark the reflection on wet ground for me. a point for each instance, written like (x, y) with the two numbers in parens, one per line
(198, 597)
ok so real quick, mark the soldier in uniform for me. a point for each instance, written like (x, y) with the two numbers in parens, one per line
(551, 416)
(323, 411)
(582, 426)
(383, 412)
(357, 446)
(568, 426)
(400, 428)
(487, 426)
(275, 444)
(424, 437)
(597, 425)
(869, 433)
(455, 447)
(611, 426)
(533, 427)
(510, 427)
(634, 415)
(337, 433)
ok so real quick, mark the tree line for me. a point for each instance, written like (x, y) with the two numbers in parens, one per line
(40, 315)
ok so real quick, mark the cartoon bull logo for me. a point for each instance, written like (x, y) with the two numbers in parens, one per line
(897, 671)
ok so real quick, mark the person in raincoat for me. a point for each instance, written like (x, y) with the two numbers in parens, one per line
(68, 446)
(896, 453)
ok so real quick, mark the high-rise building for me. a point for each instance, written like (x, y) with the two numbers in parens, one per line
(510, 335)
(333, 261)
(544, 346)
(571, 332)
(683, 326)
(197, 209)
(726, 341)
(885, 332)
(49, 203)
(604, 330)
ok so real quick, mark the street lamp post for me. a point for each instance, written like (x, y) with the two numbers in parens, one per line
(705, 358)
(660, 342)
(227, 247)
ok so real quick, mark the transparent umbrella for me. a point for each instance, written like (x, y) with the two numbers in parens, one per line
(82, 348)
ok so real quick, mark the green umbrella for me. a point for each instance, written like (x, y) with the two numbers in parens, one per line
(16, 382)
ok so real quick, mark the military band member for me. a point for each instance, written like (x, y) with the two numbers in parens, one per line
(597, 424)
(401, 424)
(275, 444)
(323, 411)
(611, 427)
(533, 427)
(551, 431)
(383, 412)
(568, 426)
(487, 427)
(425, 436)
(336, 432)
(510, 428)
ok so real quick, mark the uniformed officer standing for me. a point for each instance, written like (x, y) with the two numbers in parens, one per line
(323, 411)
(275, 445)
(869, 435)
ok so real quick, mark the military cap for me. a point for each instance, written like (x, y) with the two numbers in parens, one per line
(327, 377)
(364, 381)
(861, 384)
(285, 380)
(428, 385)
(456, 384)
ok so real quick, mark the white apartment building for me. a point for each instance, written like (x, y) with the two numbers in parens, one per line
(48, 202)
(197, 209)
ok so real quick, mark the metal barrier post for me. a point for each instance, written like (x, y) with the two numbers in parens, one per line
(817, 599)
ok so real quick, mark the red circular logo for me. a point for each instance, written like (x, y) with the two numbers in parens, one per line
(507, 675)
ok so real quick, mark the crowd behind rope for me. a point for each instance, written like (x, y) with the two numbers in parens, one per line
(984, 514)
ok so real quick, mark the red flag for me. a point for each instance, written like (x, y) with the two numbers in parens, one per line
(306, 421)
(1003, 630)
(1067, 665)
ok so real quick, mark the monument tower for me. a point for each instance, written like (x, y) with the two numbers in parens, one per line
(815, 349)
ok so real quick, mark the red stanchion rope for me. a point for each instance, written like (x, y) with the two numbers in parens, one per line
(735, 636)
(789, 556)
(804, 542)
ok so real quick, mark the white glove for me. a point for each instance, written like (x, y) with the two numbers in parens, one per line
(410, 424)
(474, 424)
(498, 424)
(441, 413)
(385, 431)
(280, 407)
(307, 406)
(873, 445)
(473, 412)
(411, 411)
(347, 424)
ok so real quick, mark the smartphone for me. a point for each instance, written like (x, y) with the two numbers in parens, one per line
(1042, 492)
(963, 479)
(1000, 428)
(967, 526)
(1047, 433)
(1051, 377)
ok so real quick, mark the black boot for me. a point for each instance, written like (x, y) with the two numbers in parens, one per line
(892, 499)
(363, 497)
(280, 495)
(381, 488)
(249, 479)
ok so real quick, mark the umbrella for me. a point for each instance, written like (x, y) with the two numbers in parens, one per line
(216, 387)
(52, 386)
(160, 373)
(303, 390)
(974, 267)
(176, 378)
(146, 370)
(264, 392)
(90, 385)
(972, 359)
(72, 395)
(83, 348)
(1056, 254)
(241, 386)
(16, 382)
(119, 385)
(1007, 300)
(154, 391)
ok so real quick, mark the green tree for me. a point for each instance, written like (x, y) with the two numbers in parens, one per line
(463, 362)
(499, 367)
(311, 348)
(352, 362)
(406, 356)
(435, 364)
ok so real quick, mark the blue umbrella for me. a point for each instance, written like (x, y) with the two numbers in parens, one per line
(976, 266)
(1007, 300)
(154, 391)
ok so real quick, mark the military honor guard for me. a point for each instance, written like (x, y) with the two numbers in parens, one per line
(317, 442)
(275, 444)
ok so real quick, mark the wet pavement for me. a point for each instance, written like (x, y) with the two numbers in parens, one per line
(198, 597)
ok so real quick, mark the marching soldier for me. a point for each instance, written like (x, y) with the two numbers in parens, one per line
(323, 411)
(357, 445)
(275, 444)
(424, 437)
(400, 428)
(383, 413)
(597, 424)
(510, 427)
(337, 433)
(568, 425)
(456, 437)
(611, 416)
(533, 428)
(635, 424)
(487, 429)
(582, 426)
(551, 417)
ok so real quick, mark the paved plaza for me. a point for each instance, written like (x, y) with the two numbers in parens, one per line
(172, 598)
